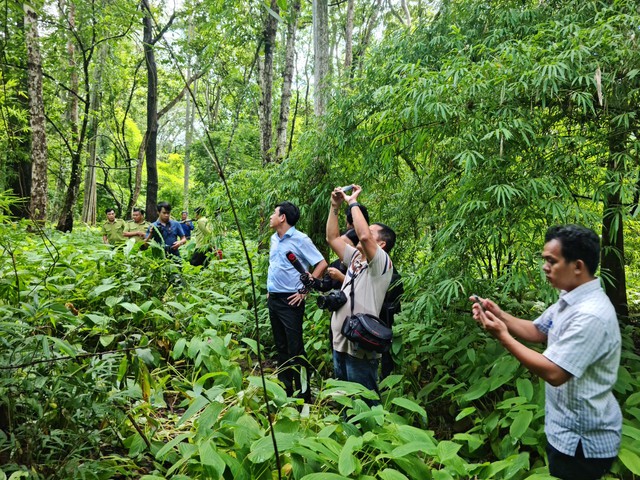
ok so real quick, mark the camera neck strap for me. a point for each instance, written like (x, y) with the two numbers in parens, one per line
(353, 285)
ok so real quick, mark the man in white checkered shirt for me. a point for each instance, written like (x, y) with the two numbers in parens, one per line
(583, 421)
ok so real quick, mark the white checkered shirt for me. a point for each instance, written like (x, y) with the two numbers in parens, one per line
(583, 337)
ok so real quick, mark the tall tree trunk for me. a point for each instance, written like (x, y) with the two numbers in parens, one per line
(266, 104)
(189, 117)
(89, 214)
(135, 194)
(612, 227)
(38, 206)
(320, 55)
(320, 95)
(68, 17)
(15, 160)
(152, 114)
(348, 37)
(17, 164)
(287, 77)
(190, 114)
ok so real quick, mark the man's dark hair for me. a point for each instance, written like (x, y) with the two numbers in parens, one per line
(388, 236)
(363, 209)
(352, 235)
(139, 210)
(109, 210)
(577, 243)
(165, 205)
(290, 211)
(199, 210)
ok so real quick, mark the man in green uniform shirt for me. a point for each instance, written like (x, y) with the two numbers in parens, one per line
(201, 234)
(113, 229)
(137, 227)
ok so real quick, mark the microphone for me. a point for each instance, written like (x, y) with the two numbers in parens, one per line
(295, 262)
(305, 277)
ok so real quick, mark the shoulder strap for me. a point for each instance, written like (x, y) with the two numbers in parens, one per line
(351, 282)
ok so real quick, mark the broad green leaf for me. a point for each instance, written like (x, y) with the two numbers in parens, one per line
(409, 433)
(160, 454)
(209, 457)
(409, 405)
(525, 388)
(178, 348)
(253, 345)
(262, 450)
(447, 450)
(246, 430)
(478, 390)
(442, 475)
(390, 474)
(178, 306)
(146, 356)
(274, 390)
(64, 347)
(633, 400)
(196, 405)
(106, 340)
(347, 462)
(324, 476)
(465, 412)
(411, 447)
(132, 307)
(390, 381)
(163, 314)
(630, 459)
(473, 440)
(19, 474)
(521, 423)
(629, 431)
(101, 289)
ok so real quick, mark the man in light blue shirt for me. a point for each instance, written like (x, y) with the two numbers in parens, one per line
(583, 422)
(286, 303)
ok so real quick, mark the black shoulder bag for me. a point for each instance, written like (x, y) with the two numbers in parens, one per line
(367, 331)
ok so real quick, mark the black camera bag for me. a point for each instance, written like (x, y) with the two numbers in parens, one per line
(366, 331)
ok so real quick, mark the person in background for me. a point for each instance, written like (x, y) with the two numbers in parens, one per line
(201, 238)
(390, 306)
(286, 304)
(166, 231)
(349, 216)
(187, 225)
(113, 229)
(137, 227)
(583, 421)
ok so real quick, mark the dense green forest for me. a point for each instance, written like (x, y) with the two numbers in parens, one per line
(472, 127)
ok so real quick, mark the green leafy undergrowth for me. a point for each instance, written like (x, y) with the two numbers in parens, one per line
(122, 364)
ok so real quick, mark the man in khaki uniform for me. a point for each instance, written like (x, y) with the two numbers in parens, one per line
(113, 229)
(137, 228)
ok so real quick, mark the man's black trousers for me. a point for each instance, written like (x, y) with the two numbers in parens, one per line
(286, 323)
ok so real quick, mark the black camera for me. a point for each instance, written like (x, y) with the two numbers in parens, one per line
(332, 301)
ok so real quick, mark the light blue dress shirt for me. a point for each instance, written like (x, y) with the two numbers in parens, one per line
(282, 276)
(583, 337)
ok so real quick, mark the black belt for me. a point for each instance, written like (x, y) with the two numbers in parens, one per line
(281, 294)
